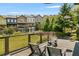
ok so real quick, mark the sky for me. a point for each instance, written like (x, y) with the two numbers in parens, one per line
(29, 8)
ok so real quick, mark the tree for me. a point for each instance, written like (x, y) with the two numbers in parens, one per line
(59, 24)
(65, 9)
(37, 27)
(77, 12)
(46, 26)
(42, 23)
(51, 27)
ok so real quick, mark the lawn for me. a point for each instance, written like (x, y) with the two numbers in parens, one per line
(19, 42)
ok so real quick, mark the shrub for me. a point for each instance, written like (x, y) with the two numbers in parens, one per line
(74, 37)
(8, 31)
(60, 34)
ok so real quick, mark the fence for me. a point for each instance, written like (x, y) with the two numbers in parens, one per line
(13, 43)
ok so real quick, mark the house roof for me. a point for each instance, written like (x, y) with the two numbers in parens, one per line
(11, 16)
(20, 16)
(30, 16)
(17, 16)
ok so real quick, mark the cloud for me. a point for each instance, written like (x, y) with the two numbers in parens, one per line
(53, 6)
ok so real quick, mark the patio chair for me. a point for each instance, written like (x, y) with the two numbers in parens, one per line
(36, 51)
(54, 51)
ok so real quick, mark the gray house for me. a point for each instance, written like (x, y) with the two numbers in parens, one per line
(31, 23)
(11, 21)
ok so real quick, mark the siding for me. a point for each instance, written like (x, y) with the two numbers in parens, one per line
(2, 21)
(21, 19)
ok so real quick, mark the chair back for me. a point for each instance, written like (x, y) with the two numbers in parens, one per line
(35, 49)
(54, 51)
(76, 49)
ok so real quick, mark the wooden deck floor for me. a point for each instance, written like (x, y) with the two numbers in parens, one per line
(62, 44)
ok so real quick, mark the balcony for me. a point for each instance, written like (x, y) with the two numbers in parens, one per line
(18, 45)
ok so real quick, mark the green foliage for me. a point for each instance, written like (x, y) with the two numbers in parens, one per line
(65, 9)
(42, 23)
(62, 22)
(74, 37)
(37, 27)
(59, 24)
(46, 26)
(76, 10)
(51, 26)
(48, 23)
(60, 34)
(8, 31)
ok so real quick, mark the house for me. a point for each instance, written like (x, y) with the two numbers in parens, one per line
(2, 22)
(38, 18)
(31, 19)
(21, 23)
(31, 23)
(11, 21)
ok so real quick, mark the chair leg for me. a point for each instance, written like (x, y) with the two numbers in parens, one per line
(64, 53)
(31, 54)
(44, 52)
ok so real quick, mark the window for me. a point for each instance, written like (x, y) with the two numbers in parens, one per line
(11, 20)
(15, 20)
(8, 20)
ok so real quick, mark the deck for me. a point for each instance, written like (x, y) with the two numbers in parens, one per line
(62, 44)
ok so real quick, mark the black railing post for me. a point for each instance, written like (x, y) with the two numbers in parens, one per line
(6, 45)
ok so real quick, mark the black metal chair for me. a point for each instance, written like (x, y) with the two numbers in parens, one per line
(36, 51)
(54, 51)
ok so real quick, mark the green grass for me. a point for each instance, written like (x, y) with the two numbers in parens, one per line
(19, 42)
